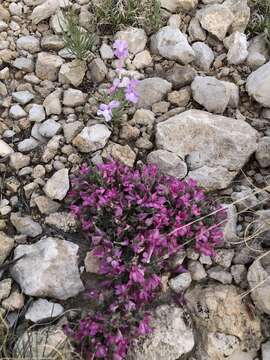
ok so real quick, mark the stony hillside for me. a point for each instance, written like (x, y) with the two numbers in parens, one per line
(181, 84)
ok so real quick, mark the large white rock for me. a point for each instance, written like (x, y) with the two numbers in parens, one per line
(28, 43)
(237, 45)
(215, 147)
(241, 12)
(74, 97)
(43, 309)
(45, 10)
(135, 37)
(48, 65)
(211, 93)
(222, 322)
(5, 149)
(172, 44)
(72, 72)
(92, 138)
(204, 55)
(259, 283)
(172, 336)
(49, 269)
(168, 162)
(152, 90)
(216, 19)
(258, 84)
(25, 225)
(57, 186)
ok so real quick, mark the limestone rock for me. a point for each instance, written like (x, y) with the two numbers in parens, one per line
(152, 90)
(17, 112)
(263, 152)
(238, 48)
(135, 37)
(37, 113)
(46, 205)
(45, 10)
(222, 321)
(258, 84)
(181, 282)
(241, 12)
(92, 138)
(259, 282)
(98, 70)
(48, 65)
(216, 19)
(18, 160)
(196, 32)
(204, 55)
(180, 75)
(14, 302)
(121, 153)
(72, 72)
(168, 162)
(5, 149)
(142, 59)
(52, 103)
(25, 225)
(74, 97)
(49, 128)
(4, 13)
(210, 93)
(258, 53)
(57, 186)
(71, 130)
(28, 43)
(172, 44)
(24, 64)
(5, 288)
(49, 269)
(43, 309)
(6, 245)
(92, 263)
(172, 336)
(209, 143)
(22, 97)
(27, 145)
(63, 221)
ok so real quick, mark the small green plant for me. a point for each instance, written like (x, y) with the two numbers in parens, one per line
(260, 20)
(77, 40)
(112, 15)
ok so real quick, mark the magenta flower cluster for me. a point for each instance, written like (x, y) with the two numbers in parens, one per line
(123, 91)
(136, 220)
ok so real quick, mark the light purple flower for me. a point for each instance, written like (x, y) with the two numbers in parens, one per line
(121, 49)
(106, 110)
(115, 86)
(131, 93)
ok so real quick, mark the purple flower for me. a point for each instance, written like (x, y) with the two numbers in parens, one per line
(144, 327)
(106, 110)
(136, 274)
(135, 220)
(115, 86)
(131, 93)
(121, 49)
(101, 351)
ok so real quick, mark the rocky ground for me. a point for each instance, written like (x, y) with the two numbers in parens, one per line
(203, 113)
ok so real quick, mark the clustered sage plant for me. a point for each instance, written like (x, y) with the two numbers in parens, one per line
(136, 220)
(123, 91)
